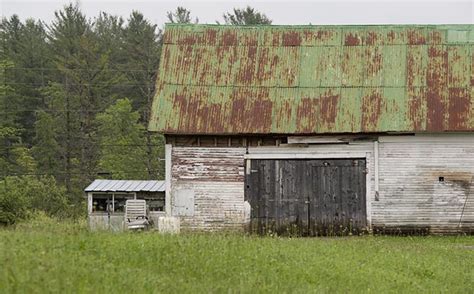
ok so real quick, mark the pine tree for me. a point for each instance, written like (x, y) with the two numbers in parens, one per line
(13, 156)
(247, 16)
(181, 15)
(142, 47)
(25, 46)
(46, 147)
(84, 87)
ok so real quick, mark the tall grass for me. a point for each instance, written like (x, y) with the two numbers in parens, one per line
(57, 257)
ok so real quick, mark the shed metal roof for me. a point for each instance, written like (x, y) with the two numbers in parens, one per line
(315, 79)
(125, 186)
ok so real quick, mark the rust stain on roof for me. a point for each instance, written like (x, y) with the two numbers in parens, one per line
(291, 39)
(416, 37)
(371, 109)
(328, 110)
(352, 39)
(459, 109)
(417, 108)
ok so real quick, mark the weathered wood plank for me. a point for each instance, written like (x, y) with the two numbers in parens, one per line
(308, 197)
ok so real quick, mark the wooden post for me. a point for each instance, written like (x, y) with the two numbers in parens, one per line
(168, 166)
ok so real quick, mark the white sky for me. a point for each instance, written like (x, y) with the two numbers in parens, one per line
(282, 12)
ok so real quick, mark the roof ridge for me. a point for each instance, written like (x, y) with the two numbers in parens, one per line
(471, 26)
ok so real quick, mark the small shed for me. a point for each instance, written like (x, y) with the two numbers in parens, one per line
(106, 201)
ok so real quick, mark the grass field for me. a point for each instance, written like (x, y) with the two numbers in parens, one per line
(45, 257)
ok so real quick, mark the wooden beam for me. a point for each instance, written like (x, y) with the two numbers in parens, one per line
(316, 140)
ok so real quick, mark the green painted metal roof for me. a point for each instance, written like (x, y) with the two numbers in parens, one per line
(315, 79)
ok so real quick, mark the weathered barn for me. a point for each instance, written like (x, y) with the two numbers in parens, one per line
(318, 129)
(106, 201)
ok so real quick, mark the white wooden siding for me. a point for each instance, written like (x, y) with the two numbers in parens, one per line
(216, 175)
(411, 193)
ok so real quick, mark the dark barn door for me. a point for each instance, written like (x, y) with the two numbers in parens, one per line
(307, 197)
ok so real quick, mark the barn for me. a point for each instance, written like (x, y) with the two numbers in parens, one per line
(318, 130)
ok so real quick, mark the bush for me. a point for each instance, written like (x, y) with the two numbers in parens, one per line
(22, 196)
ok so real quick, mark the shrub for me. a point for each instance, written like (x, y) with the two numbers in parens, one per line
(21, 196)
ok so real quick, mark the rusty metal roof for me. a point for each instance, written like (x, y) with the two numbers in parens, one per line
(315, 79)
(125, 186)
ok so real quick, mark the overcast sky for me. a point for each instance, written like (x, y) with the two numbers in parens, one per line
(281, 12)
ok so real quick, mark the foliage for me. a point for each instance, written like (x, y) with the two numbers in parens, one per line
(46, 148)
(59, 256)
(123, 142)
(246, 16)
(180, 15)
(21, 196)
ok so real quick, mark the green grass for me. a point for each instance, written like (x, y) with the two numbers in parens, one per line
(46, 257)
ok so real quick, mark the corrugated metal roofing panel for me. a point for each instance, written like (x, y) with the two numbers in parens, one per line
(94, 185)
(149, 186)
(116, 185)
(314, 79)
(129, 186)
(125, 186)
(459, 64)
(102, 186)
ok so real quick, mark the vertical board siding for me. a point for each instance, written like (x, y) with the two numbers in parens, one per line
(308, 197)
(412, 194)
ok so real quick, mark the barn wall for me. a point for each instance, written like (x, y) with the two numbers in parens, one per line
(412, 194)
(207, 183)
(216, 178)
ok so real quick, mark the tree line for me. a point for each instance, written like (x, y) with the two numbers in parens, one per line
(75, 98)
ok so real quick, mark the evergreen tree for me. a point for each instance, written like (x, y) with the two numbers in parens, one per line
(83, 87)
(46, 148)
(247, 16)
(109, 30)
(14, 157)
(142, 47)
(25, 46)
(180, 15)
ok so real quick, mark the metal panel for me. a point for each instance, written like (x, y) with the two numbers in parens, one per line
(125, 186)
(353, 67)
(394, 66)
(459, 63)
(320, 67)
(375, 59)
(183, 202)
(417, 60)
